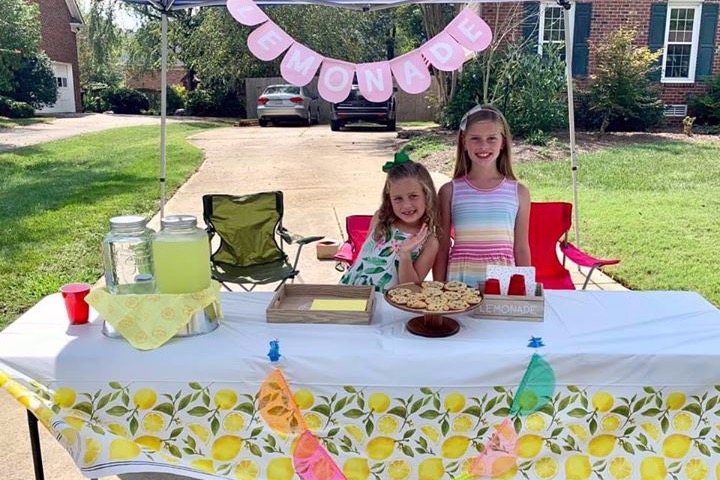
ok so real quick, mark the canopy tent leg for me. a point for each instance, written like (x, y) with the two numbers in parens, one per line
(571, 115)
(163, 109)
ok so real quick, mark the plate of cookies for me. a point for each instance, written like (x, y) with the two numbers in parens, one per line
(433, 297)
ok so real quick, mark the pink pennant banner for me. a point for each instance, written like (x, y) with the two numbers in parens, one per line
(268, 41)
(446, 51)
(335, 80)
(300, 64)
(375, 81)
(411, 72)
(246, 12)
(443, 52)
(499, 455)
(470, 31)
(312, 462)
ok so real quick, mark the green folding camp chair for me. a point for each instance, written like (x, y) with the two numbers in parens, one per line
(252, 239)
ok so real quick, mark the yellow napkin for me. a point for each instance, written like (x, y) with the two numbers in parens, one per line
(148, 321)
(348, 305)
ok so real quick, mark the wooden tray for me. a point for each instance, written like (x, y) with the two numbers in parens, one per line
(432, 324)
(291, 304)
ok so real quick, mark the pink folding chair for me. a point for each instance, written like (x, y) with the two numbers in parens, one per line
(550, 223)
(357, 227)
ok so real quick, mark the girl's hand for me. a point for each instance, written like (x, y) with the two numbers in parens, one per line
(414, 241)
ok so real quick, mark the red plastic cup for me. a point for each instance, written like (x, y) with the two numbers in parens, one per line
(517, 285)
(492, 286)
(77, 308)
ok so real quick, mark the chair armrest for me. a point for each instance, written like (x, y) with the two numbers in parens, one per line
(581, 258)
(344, 253)
(290, 238)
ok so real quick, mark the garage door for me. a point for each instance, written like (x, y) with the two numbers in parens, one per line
(66, 90)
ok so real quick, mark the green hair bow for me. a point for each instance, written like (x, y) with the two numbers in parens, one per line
(400, 158)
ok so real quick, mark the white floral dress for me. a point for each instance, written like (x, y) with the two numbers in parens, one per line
(378, 262)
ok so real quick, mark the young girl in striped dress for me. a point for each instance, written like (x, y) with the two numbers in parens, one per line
(485, 205)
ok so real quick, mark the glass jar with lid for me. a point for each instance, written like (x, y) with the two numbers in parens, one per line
(127, 256)
(181, 255)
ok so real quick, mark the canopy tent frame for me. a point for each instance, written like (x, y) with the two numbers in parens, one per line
(165, 6)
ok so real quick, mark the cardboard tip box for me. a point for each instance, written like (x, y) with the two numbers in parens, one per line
(327, 249)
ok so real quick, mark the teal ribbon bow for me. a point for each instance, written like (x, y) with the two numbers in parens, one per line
(400, 158)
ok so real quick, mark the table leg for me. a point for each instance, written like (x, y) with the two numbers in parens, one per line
(35, 446)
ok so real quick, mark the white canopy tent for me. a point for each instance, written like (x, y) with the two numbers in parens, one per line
(165, 6)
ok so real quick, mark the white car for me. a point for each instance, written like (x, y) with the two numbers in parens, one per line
(287, 102)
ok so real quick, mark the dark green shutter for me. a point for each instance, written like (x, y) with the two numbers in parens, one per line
(658, 15)
(531, 23)
(583, 14)
(708, 26)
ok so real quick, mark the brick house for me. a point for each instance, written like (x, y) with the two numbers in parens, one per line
(686, 30)
(59, 21)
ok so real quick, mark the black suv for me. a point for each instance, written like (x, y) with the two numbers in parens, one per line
(356, 108)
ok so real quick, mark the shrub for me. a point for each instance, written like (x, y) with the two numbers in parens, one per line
(127, 100)
(177, 98)
(200, 103)
(528, 88)
(621, 92)
(95, 98)
(538, 137)
(706, 107)
(34, 81)
(14, 109)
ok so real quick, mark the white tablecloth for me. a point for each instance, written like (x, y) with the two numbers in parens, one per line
(619, 343)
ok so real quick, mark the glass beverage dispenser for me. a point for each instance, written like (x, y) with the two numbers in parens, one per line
(127, 256)
(181, 256)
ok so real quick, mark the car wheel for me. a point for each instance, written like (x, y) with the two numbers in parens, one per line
(263, 122)
(391, 126)
(335, 125)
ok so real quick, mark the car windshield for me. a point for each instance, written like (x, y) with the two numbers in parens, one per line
(282, 89)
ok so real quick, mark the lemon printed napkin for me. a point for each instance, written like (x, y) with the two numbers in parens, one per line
(148, 321)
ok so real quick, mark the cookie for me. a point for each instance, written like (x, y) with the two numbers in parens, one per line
(456, 286)
(432, 284)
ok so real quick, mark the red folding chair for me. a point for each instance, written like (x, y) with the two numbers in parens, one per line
(550, 223)
(357, 227)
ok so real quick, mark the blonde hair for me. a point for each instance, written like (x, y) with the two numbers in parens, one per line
(481, 113)
(386, 217)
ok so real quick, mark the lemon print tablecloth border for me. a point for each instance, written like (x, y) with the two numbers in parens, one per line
(148, 321)
(649, 434)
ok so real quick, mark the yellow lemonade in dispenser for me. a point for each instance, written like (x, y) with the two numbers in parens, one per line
(181, 256)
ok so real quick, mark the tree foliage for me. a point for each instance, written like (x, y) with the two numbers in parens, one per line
(26, 73)
(621, 93)
(100, 45)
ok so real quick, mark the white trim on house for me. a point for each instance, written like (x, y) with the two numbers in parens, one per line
(696, 8)
(75, 15)
(544, 6)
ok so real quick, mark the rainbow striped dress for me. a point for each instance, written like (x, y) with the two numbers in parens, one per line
(484, 223)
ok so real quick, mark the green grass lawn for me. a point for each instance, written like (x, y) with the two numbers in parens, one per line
(56, 200)
(654, 206)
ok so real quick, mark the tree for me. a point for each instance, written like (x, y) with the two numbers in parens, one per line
(100, 44)
(25, 71)
(436, 17)
(621, 91)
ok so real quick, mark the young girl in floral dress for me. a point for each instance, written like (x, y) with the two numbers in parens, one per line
(401, 244)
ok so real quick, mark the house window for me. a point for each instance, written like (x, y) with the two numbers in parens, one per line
(682, 33)
(61, 81)
(552, 27)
